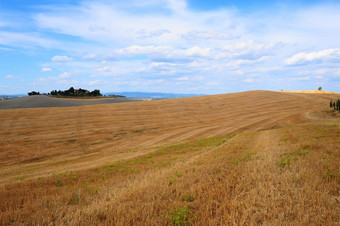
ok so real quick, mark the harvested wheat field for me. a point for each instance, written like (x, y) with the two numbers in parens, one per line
(256, 157)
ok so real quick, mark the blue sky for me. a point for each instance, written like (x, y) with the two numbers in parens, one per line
(174, 46)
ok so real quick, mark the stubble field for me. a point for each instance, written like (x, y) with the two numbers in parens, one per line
(255, 157)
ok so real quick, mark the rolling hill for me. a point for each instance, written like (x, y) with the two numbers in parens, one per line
(242, 158)
(40, 101)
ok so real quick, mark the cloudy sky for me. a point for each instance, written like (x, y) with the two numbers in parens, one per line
(178, 46)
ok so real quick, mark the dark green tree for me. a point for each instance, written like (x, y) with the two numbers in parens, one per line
(95, 92)
(71, 90)
(33, 93)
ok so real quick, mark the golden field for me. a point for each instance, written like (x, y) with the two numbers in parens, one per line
(256, 157)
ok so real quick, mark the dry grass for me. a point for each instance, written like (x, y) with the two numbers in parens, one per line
(288, 175)
(312, 91)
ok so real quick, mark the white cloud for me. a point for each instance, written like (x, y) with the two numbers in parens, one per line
(337, 72)
(300, 78)
(249, 50)
(61, 59)
(137, 24)
(143, 34)
(26, 40)
(145, 50)
(162, 64)
(46, 69)
(9, 76)
(94, 82)
(196, 51)
(196, 35)
(300, 58)
(167, 52)
(65, 75)
(213, 83)
(248, 80)
(103, 69)
(238, 72)
(186, 78)
(90, 56)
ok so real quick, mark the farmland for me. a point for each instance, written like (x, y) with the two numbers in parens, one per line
(256, 157)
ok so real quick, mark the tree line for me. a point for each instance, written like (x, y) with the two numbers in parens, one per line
(70, 92)
(335, 104)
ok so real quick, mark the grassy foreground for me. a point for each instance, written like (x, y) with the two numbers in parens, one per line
(289, 175)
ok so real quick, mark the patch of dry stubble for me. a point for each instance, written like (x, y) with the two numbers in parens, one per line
(234, 180)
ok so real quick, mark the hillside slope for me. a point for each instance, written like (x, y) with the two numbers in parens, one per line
(142, 161)
(38, 134)
(41, 101)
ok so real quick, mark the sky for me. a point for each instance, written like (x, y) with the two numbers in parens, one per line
(170, 46)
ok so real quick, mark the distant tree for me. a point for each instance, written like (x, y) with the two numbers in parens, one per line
(95, 92)
(76, 92)
(320, 88)
(335, 104)
(71, 90)
(82, 92)
(33, 93)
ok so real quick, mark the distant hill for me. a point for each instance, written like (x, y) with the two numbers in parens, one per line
(311, 91)
(12, 96)
(146, 95)
(39, 101)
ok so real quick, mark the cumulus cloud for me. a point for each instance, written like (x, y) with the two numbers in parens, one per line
(167, 52)
(196, 35)
(46, 69)
(90, 56)
(183, 78)
(9, 76)
(94, 82)
(142, 33)
(249, 50)
(65, 75)
(248, 80)
(103, 69)
(301, 58)
(213, 83)
(162, 64)
(238, 72)
(61, 59)
(145, 50)
(300, 78)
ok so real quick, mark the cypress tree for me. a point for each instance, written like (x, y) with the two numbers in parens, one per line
(334, 105)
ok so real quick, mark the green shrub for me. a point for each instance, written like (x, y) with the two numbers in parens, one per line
(188, 197)
(181, 216)
(59, 184)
